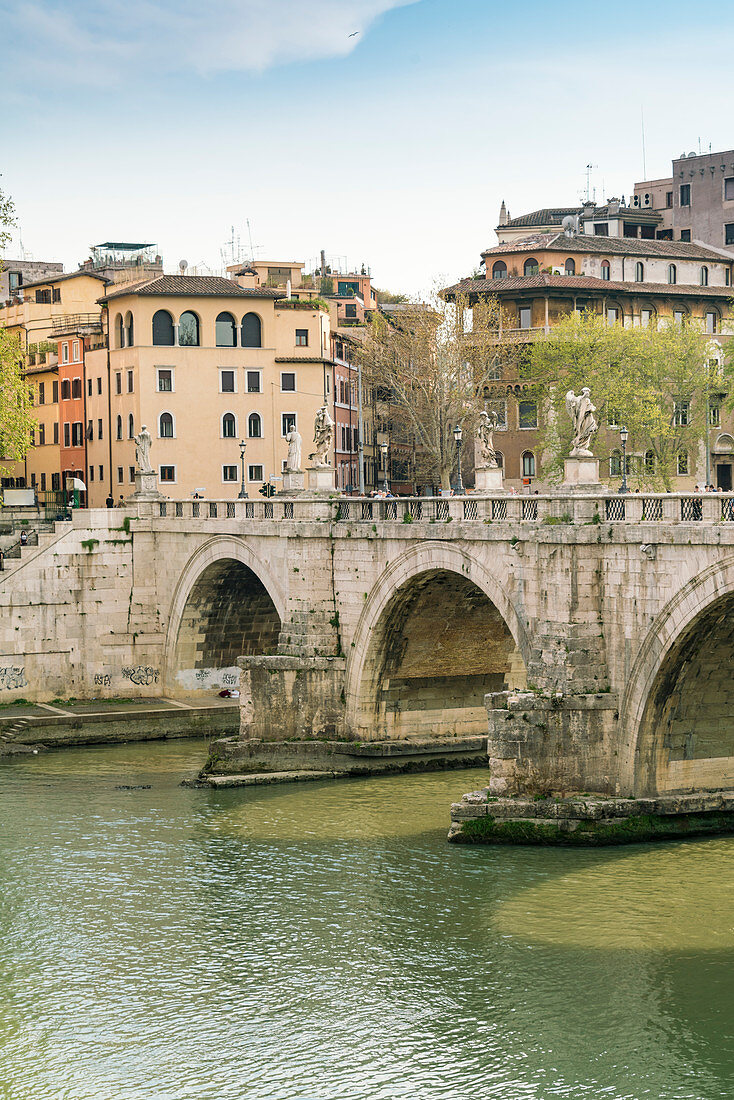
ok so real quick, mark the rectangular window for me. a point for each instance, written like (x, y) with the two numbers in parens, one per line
(56, 432)
(43, 297)
(715, 416)
(668, 198)
(227, 381)
(287, 423)
(729, 234)
(710, 322)
(41, 434)
(681, 412)
(301, 337)
(682, 463)
(120, 474)
(729, 189)
(76, 387)
(645, 317)
(168, 473)
(41, 393)
(65, 390)
(91, 473)
(75, 351)
(118, 382)
(67, 434)
(685, 234)
(33, 481)
(229, 473)
(99, 428)
(56, 294)
(678, 316)
(55, 482)
(131, 474)
(527, 414)
(43, 482)
(99, 385)
(254, 473)
(612, 315)
(685, 194)
(77, 434)
(526, 317)
(253, 381)
(89, 387)
(165, 380)
(64, 353)
(130, 381)
(90, 429)
(287, 381)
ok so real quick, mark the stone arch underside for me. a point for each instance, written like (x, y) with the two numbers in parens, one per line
(439, 646)
(685, 740)
(228, 613)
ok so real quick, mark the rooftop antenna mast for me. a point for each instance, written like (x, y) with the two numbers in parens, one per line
(589, 168)
(644, 161)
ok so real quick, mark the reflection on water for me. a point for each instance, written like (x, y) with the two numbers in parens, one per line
(323, 941)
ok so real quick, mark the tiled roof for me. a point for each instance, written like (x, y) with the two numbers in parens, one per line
(583, 283)
(548, 216)
(67, 275)
(200, 286)
(611, 246)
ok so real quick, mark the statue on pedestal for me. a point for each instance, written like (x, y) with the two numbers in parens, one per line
(581, 411)
(142, 451)
(323, 437)
(486, 456)
(294, 441)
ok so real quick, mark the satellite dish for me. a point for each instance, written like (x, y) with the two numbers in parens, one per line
(691, 154)
(182, 265)
(569, 225)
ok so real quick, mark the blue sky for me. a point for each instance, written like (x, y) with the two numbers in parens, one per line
(171, 121)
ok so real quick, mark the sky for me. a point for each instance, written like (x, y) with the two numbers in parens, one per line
(386, 132)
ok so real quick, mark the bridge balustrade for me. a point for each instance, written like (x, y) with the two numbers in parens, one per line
(630, 508)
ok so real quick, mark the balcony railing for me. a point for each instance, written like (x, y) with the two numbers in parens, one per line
(73, 322)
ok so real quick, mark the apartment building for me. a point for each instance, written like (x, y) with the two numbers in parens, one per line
(632, 282)
(696, 201)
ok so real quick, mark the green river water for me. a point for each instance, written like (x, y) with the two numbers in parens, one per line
(323, 942)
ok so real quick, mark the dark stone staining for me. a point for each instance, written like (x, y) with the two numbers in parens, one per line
(229, 614)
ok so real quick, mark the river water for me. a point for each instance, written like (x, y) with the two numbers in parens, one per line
(323, 942)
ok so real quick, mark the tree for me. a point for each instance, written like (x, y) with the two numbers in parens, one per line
(387, 298)
(433, 365)
(655, 381)
(16, 415)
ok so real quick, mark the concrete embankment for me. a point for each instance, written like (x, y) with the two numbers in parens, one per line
(238, 763)
(24, 727)
(589, 819)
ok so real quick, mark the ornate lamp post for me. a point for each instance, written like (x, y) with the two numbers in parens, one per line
(383, 448)
(459, 482)
(624, 435)
(242, 495)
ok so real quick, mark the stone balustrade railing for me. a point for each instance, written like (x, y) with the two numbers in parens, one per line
(550, 509)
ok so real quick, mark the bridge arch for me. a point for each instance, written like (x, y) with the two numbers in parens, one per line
(226, 603)
(677, 715)
(436, 633)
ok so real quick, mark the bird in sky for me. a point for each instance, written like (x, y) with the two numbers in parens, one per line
(354, 34)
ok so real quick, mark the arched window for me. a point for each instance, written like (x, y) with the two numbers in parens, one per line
(226, 331)
(639, 272)
(606, 271)
(650, 462)
(119, 427)
(499, 270)
(229, 426)
(615, 464)
(570, 269)
(129, 330)
(704, 276)
(531, 267)
(119, 332)
(254, 426)
(500, 459)
(251, 331)
(528, 464)
(130, 427)
(188, 330)
(163, 329)
(165, 426)
(672, 273)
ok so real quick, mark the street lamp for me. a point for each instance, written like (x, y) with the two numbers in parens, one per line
(624, 436)
(383, 448)
(459, 482)
(242, 495)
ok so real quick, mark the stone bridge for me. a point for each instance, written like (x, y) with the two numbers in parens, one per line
(594, 633)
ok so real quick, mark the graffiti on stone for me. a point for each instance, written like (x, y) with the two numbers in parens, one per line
(12, 677)
(102, 679)
(142, 675)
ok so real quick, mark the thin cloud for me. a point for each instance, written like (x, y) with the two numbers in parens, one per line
(107, 37)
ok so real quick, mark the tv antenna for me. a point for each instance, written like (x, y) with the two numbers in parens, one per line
(589, 168)
(253, 247)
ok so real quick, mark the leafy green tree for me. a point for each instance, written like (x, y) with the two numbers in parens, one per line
(657, 382)
(16, 412)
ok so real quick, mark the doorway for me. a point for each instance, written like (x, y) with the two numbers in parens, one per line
(723, 476)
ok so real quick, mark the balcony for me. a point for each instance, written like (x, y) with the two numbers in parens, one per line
(76, 322)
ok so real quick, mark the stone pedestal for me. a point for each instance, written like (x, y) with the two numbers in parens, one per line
(321, 479)
(488, 480)
(294, 481)
(581, 474)
(146, 487)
